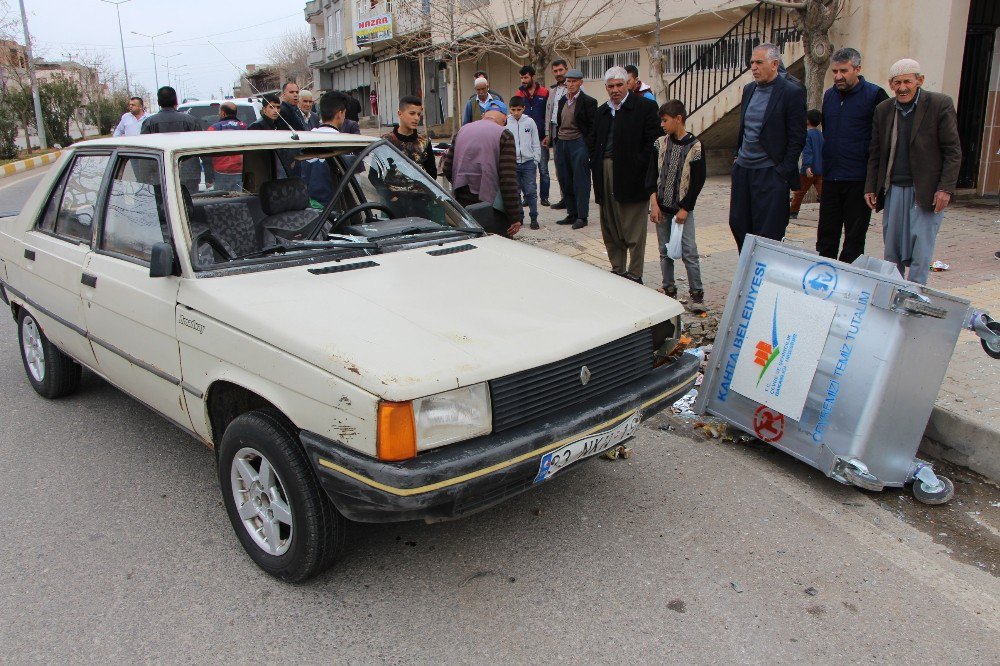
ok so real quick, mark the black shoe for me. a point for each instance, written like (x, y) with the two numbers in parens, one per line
(698, 296)
(544, 202)
(670, 291)
(524, 203)
(580, 224)
(569, 219)
(559, 205)
(534, 224)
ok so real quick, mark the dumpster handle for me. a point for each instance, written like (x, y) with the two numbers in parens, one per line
(912, 303)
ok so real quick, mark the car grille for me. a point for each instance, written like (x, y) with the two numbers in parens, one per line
(534, 393)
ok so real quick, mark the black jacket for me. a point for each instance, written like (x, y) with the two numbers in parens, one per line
(169, 119)
(265, 123)
(784, 132)
(293, 117)
(586, 109)
(637, 126)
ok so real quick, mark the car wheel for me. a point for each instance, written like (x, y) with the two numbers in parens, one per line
(282, 517)
(52, 373)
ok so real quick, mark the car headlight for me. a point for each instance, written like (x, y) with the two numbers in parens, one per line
(426, 423)
(452, 416)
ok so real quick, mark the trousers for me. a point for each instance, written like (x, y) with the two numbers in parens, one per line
(526, 183)
(623, 227)
(758, 204)
(573, 172)
(842, 209)
(689, 253)
(543, 175)
(909, 233)
(800, 194)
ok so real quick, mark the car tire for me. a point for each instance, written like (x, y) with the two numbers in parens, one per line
(51, 373)
(282, 517)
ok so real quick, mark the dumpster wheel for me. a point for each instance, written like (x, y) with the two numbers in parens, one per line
(992, 349)
(926, 495)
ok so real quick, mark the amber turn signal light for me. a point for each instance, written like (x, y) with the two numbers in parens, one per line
(397, 435)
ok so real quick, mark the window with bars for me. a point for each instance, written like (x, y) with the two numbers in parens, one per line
(594, 66)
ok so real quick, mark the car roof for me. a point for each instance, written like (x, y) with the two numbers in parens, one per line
(210, 102)
(172, 141)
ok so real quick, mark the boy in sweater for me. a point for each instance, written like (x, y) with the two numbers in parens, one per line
(529, 154)
(811, 171)
(674, 179)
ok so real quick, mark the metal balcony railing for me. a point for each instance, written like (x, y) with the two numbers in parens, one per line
(714, 66)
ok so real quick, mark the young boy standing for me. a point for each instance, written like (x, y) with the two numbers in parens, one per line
(405, 137)
(529, 154)
(674, 179)
(811, 171)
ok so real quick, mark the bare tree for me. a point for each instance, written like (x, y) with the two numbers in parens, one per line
(289, 56)
(814, 18)
(536, 31)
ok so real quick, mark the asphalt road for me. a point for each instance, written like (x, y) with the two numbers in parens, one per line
(116, 547)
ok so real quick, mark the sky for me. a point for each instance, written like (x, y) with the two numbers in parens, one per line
(240, 29)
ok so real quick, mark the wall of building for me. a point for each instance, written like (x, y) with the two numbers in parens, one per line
(989, 167)
(932, 32)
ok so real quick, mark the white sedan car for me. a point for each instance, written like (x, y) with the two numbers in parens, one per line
(349, 340)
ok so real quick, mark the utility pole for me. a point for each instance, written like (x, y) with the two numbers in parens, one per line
(120, 38)
(152, 39)
(657, 53)
(39, 123)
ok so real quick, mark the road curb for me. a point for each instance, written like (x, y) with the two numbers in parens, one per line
(963, 441)
(28, 164)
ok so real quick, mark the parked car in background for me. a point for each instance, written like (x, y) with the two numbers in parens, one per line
(379, 359)
(207, 111)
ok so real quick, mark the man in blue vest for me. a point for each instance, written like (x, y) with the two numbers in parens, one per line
(848, 108)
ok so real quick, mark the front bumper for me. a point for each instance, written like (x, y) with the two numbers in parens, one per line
(463, 478)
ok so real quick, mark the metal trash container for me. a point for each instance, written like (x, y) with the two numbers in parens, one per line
(838, 365)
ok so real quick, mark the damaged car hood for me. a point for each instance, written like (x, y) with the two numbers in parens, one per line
(417, 323)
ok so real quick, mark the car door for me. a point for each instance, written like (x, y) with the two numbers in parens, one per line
(130, 316)
(48, 269)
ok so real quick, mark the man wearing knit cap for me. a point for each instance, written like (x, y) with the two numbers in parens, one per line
(484, 100)
(913, 166)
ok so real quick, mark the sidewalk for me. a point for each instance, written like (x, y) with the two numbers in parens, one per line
(965, 425)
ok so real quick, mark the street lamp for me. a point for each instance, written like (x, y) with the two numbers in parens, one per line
(167, 58)
(152, 39)
(121, 39)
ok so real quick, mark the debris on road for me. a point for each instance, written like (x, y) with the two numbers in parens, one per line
(939, 266)
(811, 591)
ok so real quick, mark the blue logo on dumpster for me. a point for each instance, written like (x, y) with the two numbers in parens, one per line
(820, 280)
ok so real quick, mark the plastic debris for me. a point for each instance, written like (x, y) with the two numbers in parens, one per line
(939, 266)
(736, 586)
(684, 405)
(811, 591)
(620, 451)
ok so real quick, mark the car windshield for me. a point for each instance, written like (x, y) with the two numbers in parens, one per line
(253, 209)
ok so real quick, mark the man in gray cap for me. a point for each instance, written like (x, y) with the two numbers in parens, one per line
(913, 164)
(574, 122)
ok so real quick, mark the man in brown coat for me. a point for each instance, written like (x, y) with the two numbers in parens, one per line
(913, 166)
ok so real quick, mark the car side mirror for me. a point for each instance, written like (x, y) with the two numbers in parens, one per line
(161, 260)
(482, 213)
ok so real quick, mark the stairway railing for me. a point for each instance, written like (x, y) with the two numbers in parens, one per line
(719, 64)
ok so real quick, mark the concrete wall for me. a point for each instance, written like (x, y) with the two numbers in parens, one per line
(929, 31)
(989, 165)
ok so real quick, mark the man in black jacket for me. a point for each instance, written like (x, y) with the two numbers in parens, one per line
(624, 131)
(169, 119)
(290, 108)
(574, 122)
(772, 134)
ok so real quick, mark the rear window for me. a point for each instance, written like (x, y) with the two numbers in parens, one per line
(209, 113)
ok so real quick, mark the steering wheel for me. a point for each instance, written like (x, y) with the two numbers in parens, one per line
(368, 205)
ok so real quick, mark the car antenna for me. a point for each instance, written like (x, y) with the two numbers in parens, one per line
(260, 95)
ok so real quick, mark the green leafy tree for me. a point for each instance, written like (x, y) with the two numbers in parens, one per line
(61, 98)
(8, 133)
(104, 112)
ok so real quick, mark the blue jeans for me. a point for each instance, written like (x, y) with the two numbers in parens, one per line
(573, 172)
(543, 175)
(526, 183)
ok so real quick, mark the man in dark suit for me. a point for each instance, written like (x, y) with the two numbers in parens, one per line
(574, 122)
(913, 164)
(290, 116)
(621, 144)
(772, 133)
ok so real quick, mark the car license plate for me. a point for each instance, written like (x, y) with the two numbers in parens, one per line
(591, 445)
